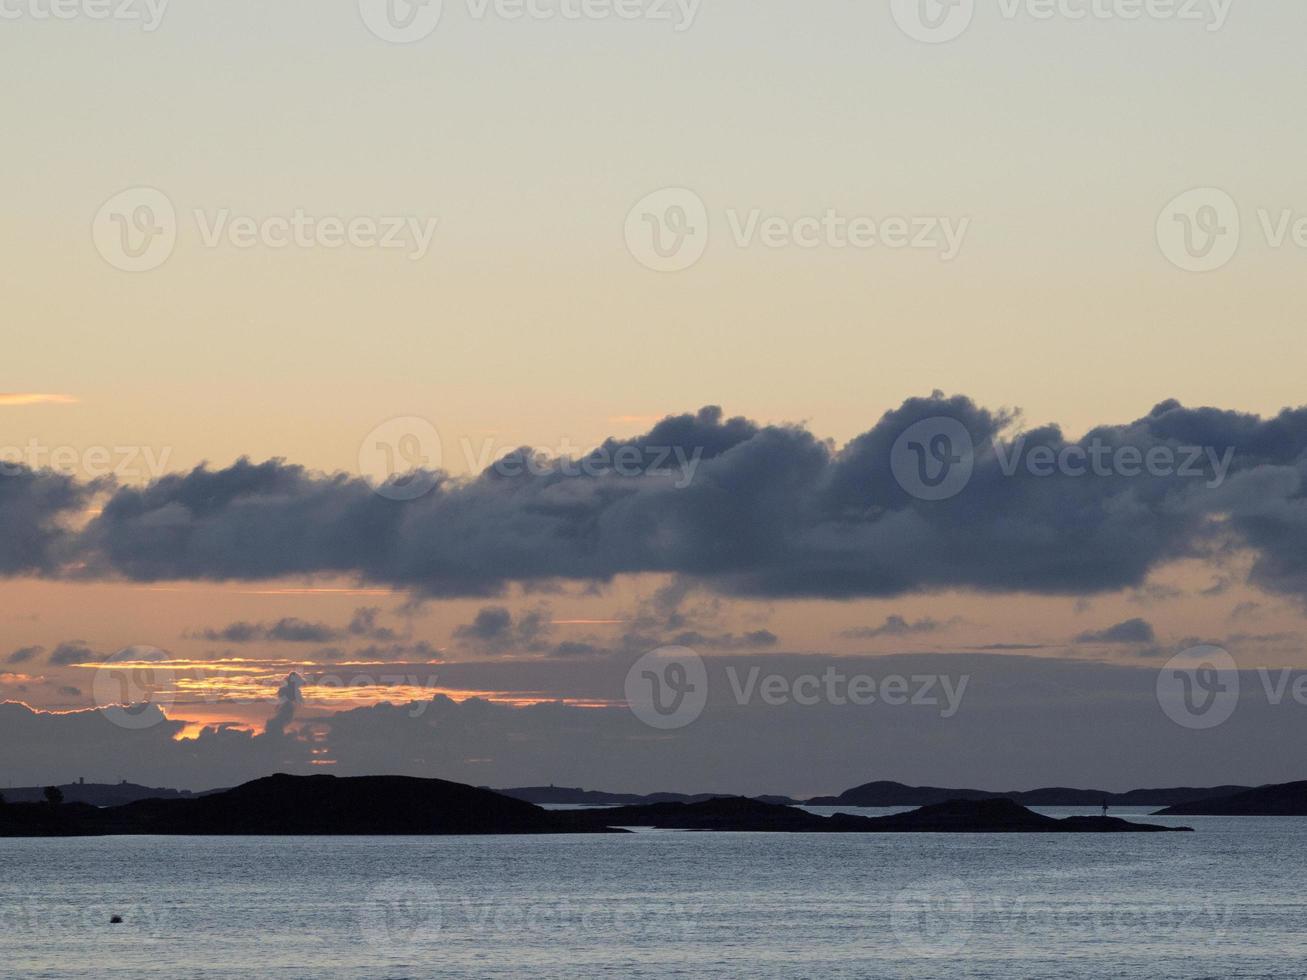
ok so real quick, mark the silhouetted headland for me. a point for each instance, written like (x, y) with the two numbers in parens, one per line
(96, 794)
(571, 796)
(954, 816)
(1280, 800)
(884, 793)
(393, 805)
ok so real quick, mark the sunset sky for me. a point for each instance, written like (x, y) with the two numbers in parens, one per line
(532, 321)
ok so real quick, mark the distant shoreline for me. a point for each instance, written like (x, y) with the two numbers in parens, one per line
(875, 794)
(323, 805)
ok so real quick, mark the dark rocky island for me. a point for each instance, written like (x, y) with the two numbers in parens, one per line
(395, 805)
(952, 817)
(298, 805)
(570, 796)
(1281, 800)
(885, 793)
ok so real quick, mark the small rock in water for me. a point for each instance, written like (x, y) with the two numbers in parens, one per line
(115, 920)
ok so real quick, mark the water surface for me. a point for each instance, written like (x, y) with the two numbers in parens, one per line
(1224, 902)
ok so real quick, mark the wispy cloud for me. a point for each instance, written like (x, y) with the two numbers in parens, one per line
(9, 399)
(898, 626)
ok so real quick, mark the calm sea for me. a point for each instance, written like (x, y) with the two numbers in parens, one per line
(1225, 902)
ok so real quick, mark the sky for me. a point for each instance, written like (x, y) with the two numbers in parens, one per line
(752, 244)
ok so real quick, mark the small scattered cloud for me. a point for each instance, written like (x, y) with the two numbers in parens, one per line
(1155, 592)
(1245, 610)
(497, 630)
(294, 630)
(897, 626)
(9, 399)
(73, 652)
(24, 655)
(366, 623)
(1130, 631)
(290, 629)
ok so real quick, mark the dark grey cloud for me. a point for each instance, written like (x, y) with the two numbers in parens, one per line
(241, 632)
(289, 697)
(895, 625)
(34, 508)
(367, 623)
(770, 511)
(496, 630)
(1130, 631)
(416, 651)
(73, 652)
(24, 655)
(294, 630)
(1245, 610)
(290, 629)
